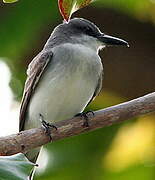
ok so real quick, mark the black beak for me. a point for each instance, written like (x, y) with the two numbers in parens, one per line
(112, 41)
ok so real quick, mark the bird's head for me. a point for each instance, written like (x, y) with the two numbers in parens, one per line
(87, 33)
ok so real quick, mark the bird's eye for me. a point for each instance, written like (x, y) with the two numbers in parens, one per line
(88, 29)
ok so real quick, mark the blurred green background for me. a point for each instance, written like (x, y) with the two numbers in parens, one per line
(124, 151)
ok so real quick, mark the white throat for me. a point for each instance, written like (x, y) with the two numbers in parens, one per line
(90, 42)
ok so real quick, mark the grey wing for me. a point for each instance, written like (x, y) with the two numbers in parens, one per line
(98, 88)
(34, 72)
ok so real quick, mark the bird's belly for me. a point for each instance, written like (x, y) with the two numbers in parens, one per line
(60, 98)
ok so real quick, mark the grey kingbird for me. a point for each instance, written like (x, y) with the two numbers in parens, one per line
(65, 76)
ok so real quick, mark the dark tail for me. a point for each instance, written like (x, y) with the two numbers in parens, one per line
(33, 156)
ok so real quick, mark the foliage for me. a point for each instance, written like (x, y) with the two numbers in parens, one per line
(10, 1)
(15, 167)
(68, 7)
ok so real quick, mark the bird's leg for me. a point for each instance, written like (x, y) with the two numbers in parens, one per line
(84, 115)
(47, 126)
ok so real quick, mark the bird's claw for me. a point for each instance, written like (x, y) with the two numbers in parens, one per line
(84, 115)
(47, 126)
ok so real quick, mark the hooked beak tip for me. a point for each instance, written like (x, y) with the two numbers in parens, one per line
(113, 41)
(128, 45)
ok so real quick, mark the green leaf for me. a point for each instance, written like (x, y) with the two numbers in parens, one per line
(68, 7)
(15, 167)
(9, 1)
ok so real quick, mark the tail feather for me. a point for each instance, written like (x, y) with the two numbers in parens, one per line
(33, 156)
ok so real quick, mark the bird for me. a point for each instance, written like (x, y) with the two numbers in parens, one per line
(65, 76)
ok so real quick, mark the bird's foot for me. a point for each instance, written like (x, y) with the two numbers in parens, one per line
(47, 126)
(84, 115)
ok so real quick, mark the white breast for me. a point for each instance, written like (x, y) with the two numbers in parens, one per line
(67, 85)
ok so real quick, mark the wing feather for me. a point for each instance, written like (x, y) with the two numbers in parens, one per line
(98, 88)
(34, 72)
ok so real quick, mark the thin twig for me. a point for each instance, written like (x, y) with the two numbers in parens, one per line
(29, 139)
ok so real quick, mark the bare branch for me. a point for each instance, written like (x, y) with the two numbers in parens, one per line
(26, 140)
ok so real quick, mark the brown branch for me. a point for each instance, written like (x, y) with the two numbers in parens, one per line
(32, 138)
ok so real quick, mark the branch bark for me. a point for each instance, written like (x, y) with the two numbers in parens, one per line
(29, 139)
